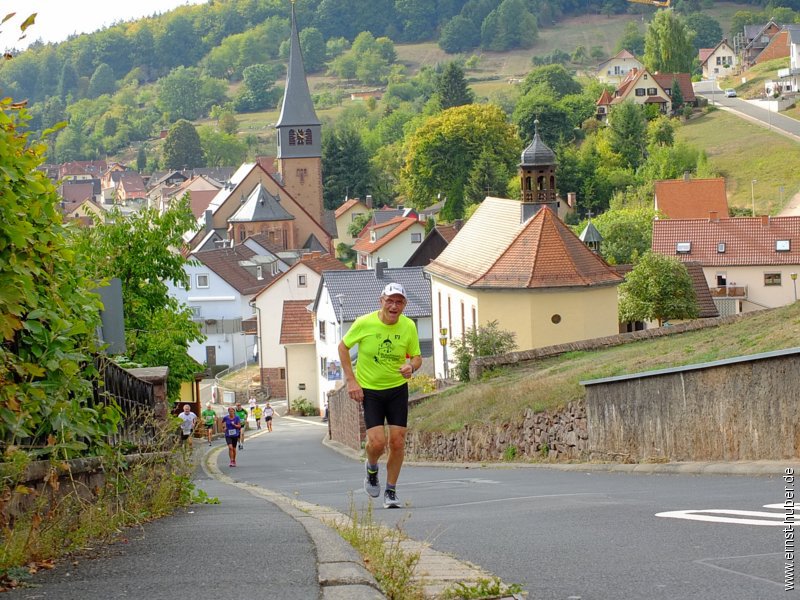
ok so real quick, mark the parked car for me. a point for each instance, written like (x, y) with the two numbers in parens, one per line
(730, 93)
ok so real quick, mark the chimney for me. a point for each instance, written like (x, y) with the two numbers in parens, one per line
(527, 210)
(765, 220)
(572, 199)
(368, 201)
(686, 175)
(458, 224)
(209, 221)
(713, 216)
(379, 267)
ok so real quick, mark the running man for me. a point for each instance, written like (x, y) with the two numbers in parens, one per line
(188, 423)
(209, 418)
(257, 413)
(242, 414)
(233, 427)
(269, 412)
(384, 338)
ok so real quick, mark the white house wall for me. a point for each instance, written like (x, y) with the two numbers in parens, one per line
(441, 294)
(759, 295)
(270, 303)
(327, 349)
(301, 372)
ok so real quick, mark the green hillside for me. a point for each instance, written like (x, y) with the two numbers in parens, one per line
(553, 383)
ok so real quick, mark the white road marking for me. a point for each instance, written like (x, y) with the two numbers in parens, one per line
(710, 515)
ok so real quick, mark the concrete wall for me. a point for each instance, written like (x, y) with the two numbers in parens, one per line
(345, 419)
(740, 409)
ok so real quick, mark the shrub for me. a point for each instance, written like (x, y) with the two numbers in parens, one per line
(486, 340)
(303, 407)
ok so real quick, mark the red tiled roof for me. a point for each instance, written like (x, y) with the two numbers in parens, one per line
(546, 254)
(684, 82)
(399, 225)
(297, 323)
(704, 53)
(605, 99)
(199, 200)
(318, 262)
(749, 241)
(225, 263)
(77, 192)
(448, 232)
(347, 206)
(692, 198)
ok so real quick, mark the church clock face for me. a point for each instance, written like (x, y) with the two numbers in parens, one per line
(301, 137)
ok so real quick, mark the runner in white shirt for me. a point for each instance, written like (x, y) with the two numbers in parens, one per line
(188, 422)
(268, 412)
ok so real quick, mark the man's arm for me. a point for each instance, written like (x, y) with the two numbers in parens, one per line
(353, 389)
(408, 369)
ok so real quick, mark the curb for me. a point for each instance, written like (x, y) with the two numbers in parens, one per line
(340, 571)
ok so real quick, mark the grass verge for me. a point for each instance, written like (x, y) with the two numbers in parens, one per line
(550, 384)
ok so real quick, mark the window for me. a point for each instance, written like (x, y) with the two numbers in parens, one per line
(640, 92)
(416, 238)
(721, 247)
(308, 136)
(555, 319)
(783, 245)
(292, 138)
(281, 373)
(772, 278)
(722, 279)
(372, 236)
(196, 311)
(301, 281)
(652, 91)
(474, 318)
(683, 247)
(322, 334)
(322, 370)
(202, 281)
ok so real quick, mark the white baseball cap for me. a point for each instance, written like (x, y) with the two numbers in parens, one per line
(394, 288)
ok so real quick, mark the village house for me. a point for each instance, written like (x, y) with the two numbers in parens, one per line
(392, 242)
(615, 69)
(691, 198)
(750, 263)
(642, 87)
(277, 314)
(346, 214)
(718, 62)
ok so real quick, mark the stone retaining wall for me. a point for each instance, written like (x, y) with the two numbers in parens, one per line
(552, 435)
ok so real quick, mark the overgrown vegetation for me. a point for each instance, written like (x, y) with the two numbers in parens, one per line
(481, 589)
(303, 407)
(485, 340)
(383, 554)
(552, 383)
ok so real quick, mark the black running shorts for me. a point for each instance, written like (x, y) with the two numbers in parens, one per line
(389, 406)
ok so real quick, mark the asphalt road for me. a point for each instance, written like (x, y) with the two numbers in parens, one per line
(748, 110)
(562, 535)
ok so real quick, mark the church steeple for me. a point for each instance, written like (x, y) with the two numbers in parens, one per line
(298, 126)
(537, 171)
(300, 136)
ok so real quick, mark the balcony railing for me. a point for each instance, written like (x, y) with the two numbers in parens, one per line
(729, 291)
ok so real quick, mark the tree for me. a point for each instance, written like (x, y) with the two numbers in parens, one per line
(139, 250)
(659, 288)
(417, 17)
(141, 159)
(554, 121)
(313, 46)
(554, 77)
(509, 26)
(668, 44)
(358, 223)
(68, 82)
(707, 31)
(345, 166)
(258, 89)
(661, 131)
(48, 315)
(628, 132)
(182, 149)
(488, 177)
(441, 153)
(179, 94)
(221, 149)
(627, 234)
(677, 95)
(485, 340)
(102, 81)
(459, 35)
(451, 87)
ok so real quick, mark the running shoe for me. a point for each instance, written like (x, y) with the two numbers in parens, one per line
(241, 446)
(233, 464)
(371, 484)
(390, 499)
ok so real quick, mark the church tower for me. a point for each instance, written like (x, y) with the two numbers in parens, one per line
(300, 136)
(537, 172)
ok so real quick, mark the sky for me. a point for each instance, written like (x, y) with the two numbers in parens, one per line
(58, 19)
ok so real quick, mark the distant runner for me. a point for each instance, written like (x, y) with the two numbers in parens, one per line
(268, 414)
(188, 423)
(257, 413)
(242, 414)
(233, 427)
(209, 418)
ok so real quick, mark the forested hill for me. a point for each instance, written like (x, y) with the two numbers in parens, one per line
(123, 85)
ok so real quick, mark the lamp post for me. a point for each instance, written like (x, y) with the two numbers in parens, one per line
(753, 194)
(794, 284)
(443, 342)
